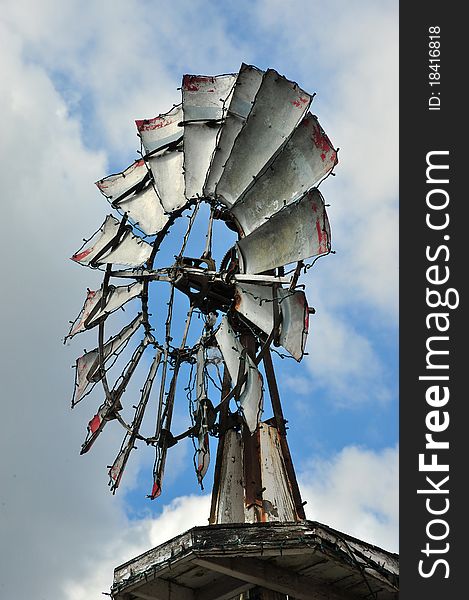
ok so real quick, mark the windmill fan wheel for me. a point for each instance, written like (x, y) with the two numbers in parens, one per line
(241, 154)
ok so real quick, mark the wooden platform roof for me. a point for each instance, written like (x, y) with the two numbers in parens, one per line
(305, 560)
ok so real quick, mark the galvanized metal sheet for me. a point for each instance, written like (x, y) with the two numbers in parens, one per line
(255, 303)
(204, 103)
(203, 97)
(278, 108)
(131, 251)
(306, 159)
(90, 313)
(115, 186)
(145, 210)
(299, 231)
(168, 175)
(161, 131)
(87, 366)
(86, 370)
(199, 143)
(250, 398)
(117, 297)
(92, 299)
(230, 347)
(247, 85)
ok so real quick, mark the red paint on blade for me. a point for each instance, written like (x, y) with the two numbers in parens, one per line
(152, 124)
(94, 423)
(321, 141)
(307, 320)
(322, 238)
(155, 491)
(102, 185)
(300, 102)
(79, 256)
(193, 83)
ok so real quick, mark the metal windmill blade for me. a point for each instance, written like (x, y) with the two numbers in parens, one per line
(245, 147)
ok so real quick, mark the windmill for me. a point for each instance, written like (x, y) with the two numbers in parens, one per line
(241, 155)
(236, 164)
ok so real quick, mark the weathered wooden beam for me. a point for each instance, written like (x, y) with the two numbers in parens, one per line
(160, 589)
(224, 588)
(272, 577)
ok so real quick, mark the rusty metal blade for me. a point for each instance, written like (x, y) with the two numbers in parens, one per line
(255, 302)
(278, 108)
(117, 186)
(132, 251)
(87, 366)
(127, 250)
(203, 448)
(106, 233)
(167, 169)
(118, 466)
(204, 106)
(92, 312)
(107, 411)
(247, 85)
(145, 210)
(162, 140)
(251, 397)
(163, 130)
(200, 391)
(307, 158)
(299, 231)
(295, 322)
(203, 454)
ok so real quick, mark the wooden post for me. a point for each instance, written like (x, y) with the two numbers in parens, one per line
(280, 424)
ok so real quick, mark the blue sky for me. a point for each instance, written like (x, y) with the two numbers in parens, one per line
(75, 75)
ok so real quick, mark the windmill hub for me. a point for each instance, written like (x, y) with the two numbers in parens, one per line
(205, 287)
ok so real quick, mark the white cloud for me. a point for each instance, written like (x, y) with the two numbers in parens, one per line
(137, 537)
(356, 492)
(120, 60)
(58, 520)
(344, 363)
